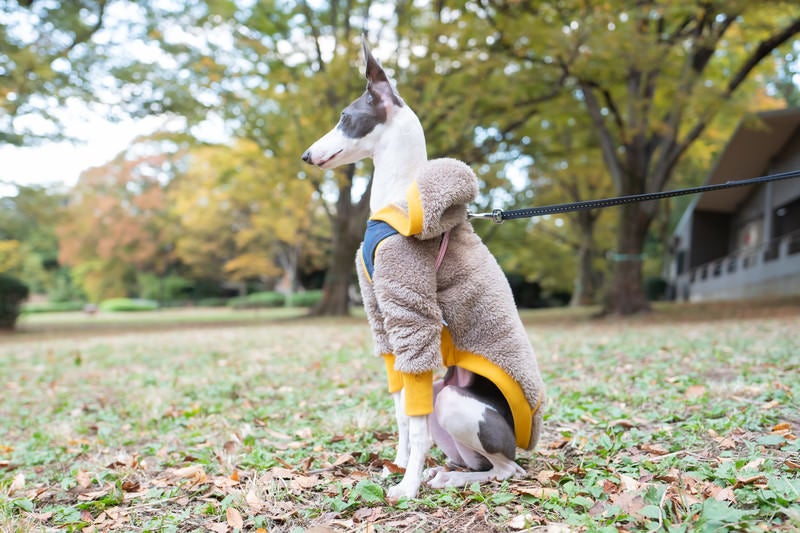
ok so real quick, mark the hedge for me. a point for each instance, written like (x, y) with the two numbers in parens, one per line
(12, 293)
(258, 300)
(52, 307)
(128, 304)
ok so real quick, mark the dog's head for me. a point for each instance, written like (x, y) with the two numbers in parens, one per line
(361, 124)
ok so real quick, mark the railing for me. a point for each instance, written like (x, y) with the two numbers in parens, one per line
(780, 257)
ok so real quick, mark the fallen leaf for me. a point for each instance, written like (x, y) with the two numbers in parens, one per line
(770, 405)
(741, 481)
(627, 483)
(522, 521)
(234, 518)
(792, 465)
(344, 459)
(17, 484)
(235, 476)
(537, 492)
(130, 486)
(622, 422)
(755, 464)
(630, 502)
(545, 477)
(695, 391)
(83, 479)
(782, 426)
(655, 449)
(254, 502)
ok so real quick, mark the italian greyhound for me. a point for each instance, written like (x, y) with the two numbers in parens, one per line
(471, 421)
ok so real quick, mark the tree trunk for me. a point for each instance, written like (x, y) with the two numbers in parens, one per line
(347, 224)
(586, 280)
(626, 294)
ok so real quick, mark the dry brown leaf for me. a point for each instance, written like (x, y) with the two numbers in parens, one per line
(234, 518)
(83, 479)
(627, 483)
(622, 422)
(783, 426)
(17, 484)
(344, 459)
(770, 405)
(537, 492)
(546, 476)
(792, 465)
(695, 391)
(95, 494)
(755, 464)
(130, 486)
(254, 502)
(217, 527)
(655, 449)
(304, 482)
(235, 476)
(188, 471)
(630, 502)
(741, 481)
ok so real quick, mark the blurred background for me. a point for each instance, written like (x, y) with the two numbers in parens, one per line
(150, 151)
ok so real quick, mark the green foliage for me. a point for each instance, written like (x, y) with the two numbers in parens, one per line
(212, 302)
(128, 304)
(258, 300)
(12, 293)
(304, 299)
(52, 307)
(164, 288)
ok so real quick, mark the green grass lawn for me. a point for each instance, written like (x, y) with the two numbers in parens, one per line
(684, 420)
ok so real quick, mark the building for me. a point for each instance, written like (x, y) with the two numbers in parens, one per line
(744, 242)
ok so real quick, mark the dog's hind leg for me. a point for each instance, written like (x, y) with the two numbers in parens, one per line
(479, 427)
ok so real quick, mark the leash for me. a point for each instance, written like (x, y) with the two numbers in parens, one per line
(498, 216)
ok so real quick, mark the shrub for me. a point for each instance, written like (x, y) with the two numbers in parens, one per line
(655, 288)
(258, 300)
(305, 299)
(212, 302)
(12, 293)
(128, 304)
(52, 307)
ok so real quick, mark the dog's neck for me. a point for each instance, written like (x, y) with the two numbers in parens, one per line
(397, 158)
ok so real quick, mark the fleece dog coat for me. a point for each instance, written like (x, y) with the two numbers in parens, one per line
(461, 315)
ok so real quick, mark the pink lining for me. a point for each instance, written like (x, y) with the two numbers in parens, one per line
(442, 249)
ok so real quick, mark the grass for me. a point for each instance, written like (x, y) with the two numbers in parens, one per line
(661, 423)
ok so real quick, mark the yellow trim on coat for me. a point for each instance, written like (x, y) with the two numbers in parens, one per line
(419, 393)
(521, 410)
(394, 377)
(406, 224)
(419, 387)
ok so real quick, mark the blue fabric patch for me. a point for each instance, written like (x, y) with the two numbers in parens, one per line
(377, 231)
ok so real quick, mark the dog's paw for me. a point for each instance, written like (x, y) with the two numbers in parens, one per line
(400, 491)
(430, 473)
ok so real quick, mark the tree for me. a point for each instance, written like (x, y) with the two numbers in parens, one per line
(116, 220)
(28, 243)
(241, 216)
(651, 77)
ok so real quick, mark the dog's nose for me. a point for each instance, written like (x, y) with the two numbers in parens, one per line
(307, 156)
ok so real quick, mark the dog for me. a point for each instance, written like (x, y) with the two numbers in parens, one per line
(435, 299)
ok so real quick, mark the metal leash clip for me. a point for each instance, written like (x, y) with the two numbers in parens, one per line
(495, 216)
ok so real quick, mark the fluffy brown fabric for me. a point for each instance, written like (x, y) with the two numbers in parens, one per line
(409, 301)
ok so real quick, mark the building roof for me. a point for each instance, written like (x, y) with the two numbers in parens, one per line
(748, 155)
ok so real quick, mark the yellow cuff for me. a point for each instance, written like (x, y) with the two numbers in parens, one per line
(419, 393)
(394, 377)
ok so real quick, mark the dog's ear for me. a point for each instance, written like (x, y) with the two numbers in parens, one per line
(378, 84)
(374, 72)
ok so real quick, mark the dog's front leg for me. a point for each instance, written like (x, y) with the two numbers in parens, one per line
(419, 443)
(401, 458)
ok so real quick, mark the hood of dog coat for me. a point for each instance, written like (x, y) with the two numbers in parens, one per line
(436, 201)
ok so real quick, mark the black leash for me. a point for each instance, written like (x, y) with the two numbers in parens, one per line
(499, 216)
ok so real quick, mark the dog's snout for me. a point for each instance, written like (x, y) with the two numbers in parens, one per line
(307, 156)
